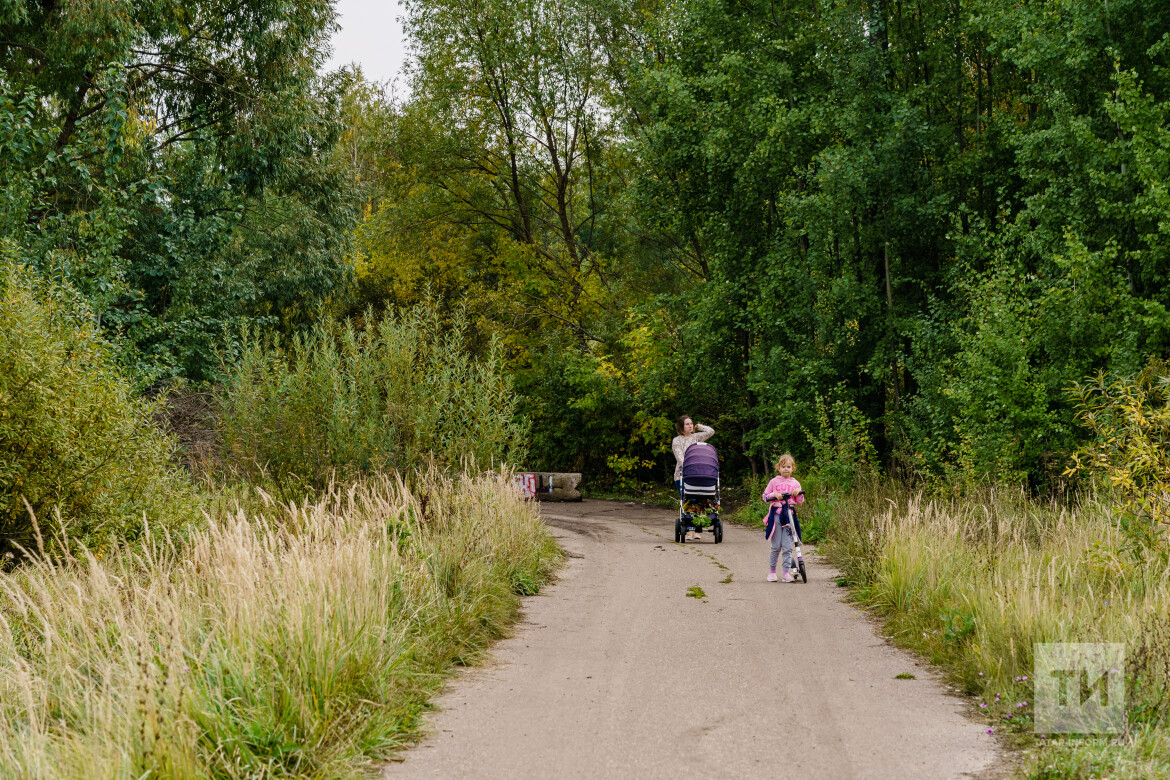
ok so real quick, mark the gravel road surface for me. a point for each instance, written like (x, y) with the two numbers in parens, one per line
(615, 672)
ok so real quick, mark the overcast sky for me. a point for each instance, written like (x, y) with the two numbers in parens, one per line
(371, 36)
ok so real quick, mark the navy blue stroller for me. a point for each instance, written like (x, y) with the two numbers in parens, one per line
(699, 495)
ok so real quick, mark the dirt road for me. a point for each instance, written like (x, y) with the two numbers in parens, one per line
(616, 672)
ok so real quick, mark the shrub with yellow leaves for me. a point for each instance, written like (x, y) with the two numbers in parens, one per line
(1129, 418)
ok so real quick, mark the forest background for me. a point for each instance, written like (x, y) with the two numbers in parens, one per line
(924, 241)
(874, 233)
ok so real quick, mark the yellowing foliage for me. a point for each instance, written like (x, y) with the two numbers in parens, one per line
(1130, 421)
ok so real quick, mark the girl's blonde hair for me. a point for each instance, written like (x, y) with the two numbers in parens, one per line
(786, 458)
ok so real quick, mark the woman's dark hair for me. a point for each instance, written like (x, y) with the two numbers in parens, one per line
(681, 422)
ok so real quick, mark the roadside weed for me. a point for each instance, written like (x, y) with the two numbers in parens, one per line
(973, 583)
(303, 642)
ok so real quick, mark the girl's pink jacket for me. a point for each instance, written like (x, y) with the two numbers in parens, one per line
(780, 485)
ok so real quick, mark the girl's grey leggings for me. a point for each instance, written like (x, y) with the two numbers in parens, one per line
(781, 540)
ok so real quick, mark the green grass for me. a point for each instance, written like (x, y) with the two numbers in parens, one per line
(651, 495)
(304, 642)
(973, 583)
(904, 676)
(695, 592)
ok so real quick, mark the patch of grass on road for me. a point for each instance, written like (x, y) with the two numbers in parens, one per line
(904, 676)
(709, 557)
(696, 592)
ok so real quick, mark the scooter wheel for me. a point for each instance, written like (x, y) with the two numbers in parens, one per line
(803, 573)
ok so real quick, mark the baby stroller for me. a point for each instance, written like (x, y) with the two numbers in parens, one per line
(699, 496)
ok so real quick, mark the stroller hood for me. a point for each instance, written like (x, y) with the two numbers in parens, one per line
(700, 461)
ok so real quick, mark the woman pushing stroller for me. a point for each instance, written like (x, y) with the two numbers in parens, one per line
(783, 491)
(688, 434)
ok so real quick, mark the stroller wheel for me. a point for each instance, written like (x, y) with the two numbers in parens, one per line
(718, 531)
(680, 535)
(803, 573)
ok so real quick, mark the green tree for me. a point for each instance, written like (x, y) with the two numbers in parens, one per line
(505, 183)
(179, 164)
(938, 214)
(930, 219)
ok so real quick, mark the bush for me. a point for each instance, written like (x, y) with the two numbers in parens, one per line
(338, 400)
(843, 453)
(1130, 422)
(75, 442)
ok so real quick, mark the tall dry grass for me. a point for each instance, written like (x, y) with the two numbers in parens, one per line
(303, 642)
(974, 583)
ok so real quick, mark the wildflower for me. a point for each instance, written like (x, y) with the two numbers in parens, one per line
(935, 631)
(982, 706)
(1024, 678)
(981, 674)
(186, 668)
(991, 731)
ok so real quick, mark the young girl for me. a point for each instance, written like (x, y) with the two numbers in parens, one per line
(781, 536)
